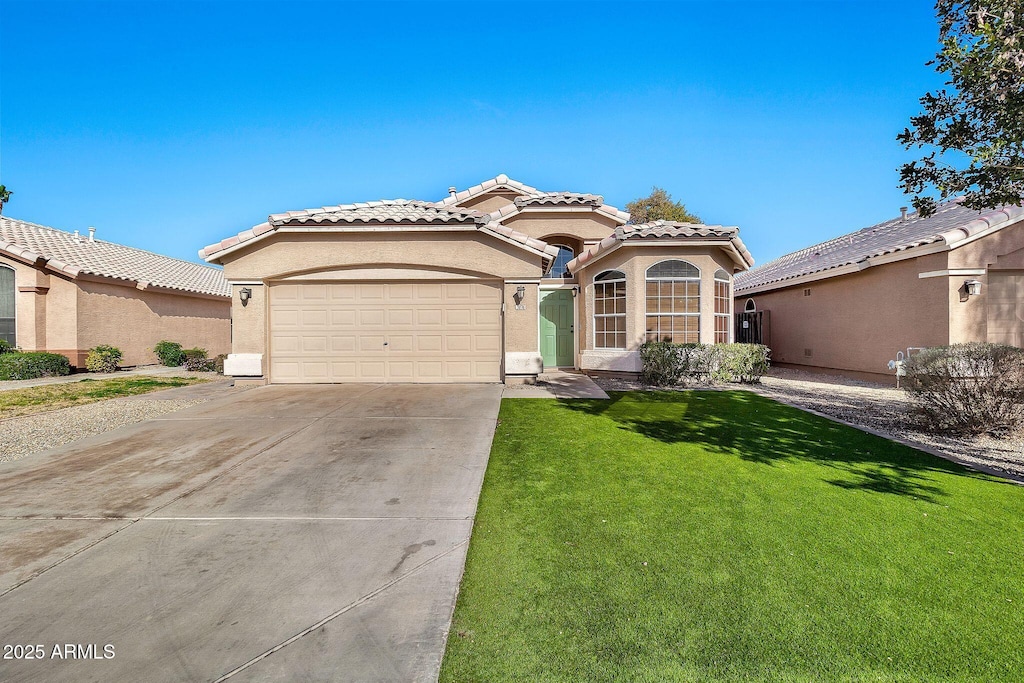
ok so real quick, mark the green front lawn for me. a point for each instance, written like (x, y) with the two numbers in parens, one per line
(720, 536)
(17, 402)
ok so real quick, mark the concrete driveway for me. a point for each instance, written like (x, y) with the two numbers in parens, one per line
(299, 533)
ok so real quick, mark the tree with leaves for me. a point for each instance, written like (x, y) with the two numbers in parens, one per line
(975, 127)
(659, 206)
(5, 195)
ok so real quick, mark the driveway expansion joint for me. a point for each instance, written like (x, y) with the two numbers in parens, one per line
(334, 615)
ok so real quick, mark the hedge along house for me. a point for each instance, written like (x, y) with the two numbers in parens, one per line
(494, 283)
(65, 293)
(850, 304)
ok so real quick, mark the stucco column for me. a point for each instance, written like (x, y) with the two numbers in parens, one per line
(248, 357)
(522, 343)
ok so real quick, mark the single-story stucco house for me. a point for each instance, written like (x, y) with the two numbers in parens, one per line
(850, 304)
(65, 293)
(493, 283)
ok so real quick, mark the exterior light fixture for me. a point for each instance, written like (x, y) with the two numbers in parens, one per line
(520, 294)
(972, 287)
(244, 294)
(575, 291)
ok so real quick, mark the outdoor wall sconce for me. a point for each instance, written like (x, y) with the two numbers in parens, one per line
(519, 296)
(972, 287)
(244, 294)
(575, 291)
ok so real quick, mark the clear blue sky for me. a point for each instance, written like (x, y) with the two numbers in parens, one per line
(169, 126)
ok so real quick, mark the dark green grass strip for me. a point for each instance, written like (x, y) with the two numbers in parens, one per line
(721, 536)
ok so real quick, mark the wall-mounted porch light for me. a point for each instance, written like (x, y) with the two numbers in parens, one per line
(519, 297)
(972, 287)
(244, 294)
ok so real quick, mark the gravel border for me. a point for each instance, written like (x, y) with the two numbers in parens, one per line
(873, 407)
(28, 434)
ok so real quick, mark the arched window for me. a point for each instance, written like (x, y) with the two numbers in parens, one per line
(558, 269)
(7, 326)
(673, 302)
(750, 307)
(610, 310)
(723, 307)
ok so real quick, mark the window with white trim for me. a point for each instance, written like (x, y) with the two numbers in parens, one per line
(7, 303)
(610, 310)
(558, 269)
(673, 302)
(723, 307)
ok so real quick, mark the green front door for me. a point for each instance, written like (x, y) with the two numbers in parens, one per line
(556, 328)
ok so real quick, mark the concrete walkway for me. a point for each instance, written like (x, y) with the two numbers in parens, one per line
(284, 533)
(557, 384)
(149, 370)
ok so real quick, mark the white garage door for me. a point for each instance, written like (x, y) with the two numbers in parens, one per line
(1005, 308)
(385, 332)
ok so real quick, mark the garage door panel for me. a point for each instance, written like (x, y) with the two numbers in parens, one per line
(435, 332)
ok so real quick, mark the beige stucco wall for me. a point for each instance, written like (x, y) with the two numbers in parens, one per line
(521, 332)
(46, 310)
(490, 201)
(134, 321)
(634, 261)
(587, 226)
(858, 322)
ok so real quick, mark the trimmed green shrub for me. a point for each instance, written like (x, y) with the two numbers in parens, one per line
(169, 353)
(6, 347)
(32, 365)
(103, 358)
(196, 360)
(968, 388)
(664, 363)
(660, 363)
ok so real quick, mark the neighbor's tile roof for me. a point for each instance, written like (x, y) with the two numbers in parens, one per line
(401, 212)
(63, 252)
(950, 224)
(650, 233)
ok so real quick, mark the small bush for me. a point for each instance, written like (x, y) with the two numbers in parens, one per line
(660, 364)
(218, 363)
(968, 388)
(169, 353)
(33, 365)
(196, 360)
(664, 363)
(6, 347)
(103, 358)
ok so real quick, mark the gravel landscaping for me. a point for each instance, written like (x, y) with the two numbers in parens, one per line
(22, 436)
(873, 406)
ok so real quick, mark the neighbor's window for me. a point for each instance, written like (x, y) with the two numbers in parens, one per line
(7, 332)
(750, 307)
(610, 310)
(558, 269)
(673, 302)
(723, 307)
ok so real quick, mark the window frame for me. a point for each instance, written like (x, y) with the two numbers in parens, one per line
(14, 299)
(690, 336)
(723, 319)
(566, 274)
(599, 287)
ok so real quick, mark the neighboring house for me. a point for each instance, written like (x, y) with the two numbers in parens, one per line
(851, 303)
(494, 283)
(65, 293)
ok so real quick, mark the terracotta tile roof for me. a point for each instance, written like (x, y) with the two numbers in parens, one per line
(950, 224)
(65, 253)
(559, 199)
(394, 212)
(651, 233)
(497, 183)
(389, 211)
